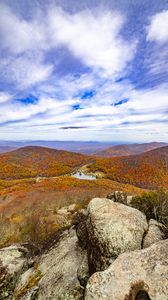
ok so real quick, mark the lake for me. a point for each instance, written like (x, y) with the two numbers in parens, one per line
(81, 175)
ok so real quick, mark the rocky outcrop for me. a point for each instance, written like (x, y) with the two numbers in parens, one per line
(107, 237)
(14, 260)
(154, 233)
(59, 270)
(142, 272)
(113, 228)
(53, 275)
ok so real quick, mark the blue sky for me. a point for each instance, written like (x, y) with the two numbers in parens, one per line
(96, 70)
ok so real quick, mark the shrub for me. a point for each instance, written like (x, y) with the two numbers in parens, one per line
(154, 204)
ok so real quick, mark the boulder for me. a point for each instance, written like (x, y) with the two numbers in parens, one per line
(13, 262)
(113, 228)
(52, 275)
(59, 270)
(138, 275)
(154, 233)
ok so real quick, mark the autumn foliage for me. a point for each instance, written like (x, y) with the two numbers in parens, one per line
(29, 210)
(35, 161)
(147, 170)
(129, 149)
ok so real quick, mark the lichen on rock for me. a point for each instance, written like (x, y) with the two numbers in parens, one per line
(142, 270)
(113, 228)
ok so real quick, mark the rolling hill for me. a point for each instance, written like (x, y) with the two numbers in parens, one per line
(35, 161)
(129, 149)
(146, 170)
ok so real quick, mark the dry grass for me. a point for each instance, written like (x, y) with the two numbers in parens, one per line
(29, 211)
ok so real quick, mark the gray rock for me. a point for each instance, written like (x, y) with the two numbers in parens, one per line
(13, 262)
(30, 294)
(83, 271)
(52, 276)
(113, 228)
(26, 287)
(59, 269)
(143, 271)
(104, 231)
(154, 233)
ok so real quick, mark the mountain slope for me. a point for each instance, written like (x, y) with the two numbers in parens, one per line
(147, 170)
(34, 161)
(126, 149)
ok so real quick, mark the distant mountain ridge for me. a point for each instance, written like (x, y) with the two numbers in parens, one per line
(4, 149)
(72, 146)
(129, 149)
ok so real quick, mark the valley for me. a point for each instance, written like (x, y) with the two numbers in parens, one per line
(37, 182)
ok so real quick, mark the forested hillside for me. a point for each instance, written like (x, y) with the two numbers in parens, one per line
(129, 149)
(147, 170)
(34, 161)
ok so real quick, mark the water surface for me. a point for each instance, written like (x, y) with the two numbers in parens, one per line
(81, 175)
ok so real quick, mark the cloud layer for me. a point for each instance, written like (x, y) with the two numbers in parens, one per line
(157, 30)
(68, 75)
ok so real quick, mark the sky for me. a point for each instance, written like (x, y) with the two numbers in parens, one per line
(90, 70)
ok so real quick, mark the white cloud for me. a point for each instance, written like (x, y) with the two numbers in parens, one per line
(158, 28)
(18, 35)
(157, 62)
(48, 107)
(145, 108)
(25, 70)
(5, 97)
(149, 100)
(95, 39)
(157, 56)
